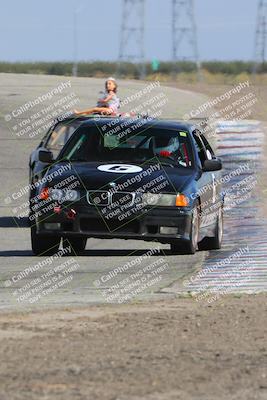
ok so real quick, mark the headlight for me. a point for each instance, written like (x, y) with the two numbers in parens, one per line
(159, 199)
(64, 195)
(165, 200)
(56, 194)
(71, 195)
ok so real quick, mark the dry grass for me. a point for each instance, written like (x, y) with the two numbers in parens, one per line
(259, 110)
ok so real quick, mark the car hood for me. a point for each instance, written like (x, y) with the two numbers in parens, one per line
(126, 177)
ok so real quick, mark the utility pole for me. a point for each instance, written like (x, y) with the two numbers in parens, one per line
(184, 33)
(261, 36)
(75, 44)
(132, 46)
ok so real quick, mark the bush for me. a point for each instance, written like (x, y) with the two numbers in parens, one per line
(126, 69)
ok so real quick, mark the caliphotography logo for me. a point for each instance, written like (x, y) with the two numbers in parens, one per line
(133, 218)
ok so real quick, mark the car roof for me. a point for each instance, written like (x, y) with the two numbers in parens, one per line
(144, 122)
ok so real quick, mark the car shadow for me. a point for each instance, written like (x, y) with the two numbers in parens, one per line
(90, 253)
(121, 253)
(16, 253)
(13, 222)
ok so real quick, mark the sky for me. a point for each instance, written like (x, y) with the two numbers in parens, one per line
(34, 30)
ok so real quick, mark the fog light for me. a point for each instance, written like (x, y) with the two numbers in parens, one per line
(168, 230)
(53, 226)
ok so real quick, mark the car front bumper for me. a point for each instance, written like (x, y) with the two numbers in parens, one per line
(157, 224)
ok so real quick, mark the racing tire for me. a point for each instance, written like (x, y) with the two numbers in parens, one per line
(44, 244)
(190, 246)
(214, 242)
(77, 244)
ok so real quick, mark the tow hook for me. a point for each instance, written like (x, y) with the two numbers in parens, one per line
(71, 214)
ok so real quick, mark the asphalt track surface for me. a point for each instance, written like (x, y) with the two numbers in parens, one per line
(241, 265)
(84, 275)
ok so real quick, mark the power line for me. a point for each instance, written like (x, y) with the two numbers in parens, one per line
(260, 36)
(184, 32)
(132, 32)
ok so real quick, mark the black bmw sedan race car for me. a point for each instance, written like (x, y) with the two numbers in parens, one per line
(129, 178)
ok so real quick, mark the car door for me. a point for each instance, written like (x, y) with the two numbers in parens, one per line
(206, 182)
(216, 198)
(53, 141)
(34, 163)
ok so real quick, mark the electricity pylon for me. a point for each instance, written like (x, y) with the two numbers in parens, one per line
(184, 33)
(261, 36)
(132, 46)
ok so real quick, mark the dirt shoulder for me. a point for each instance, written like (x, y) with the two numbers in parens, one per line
(259, 109)
(176, 349)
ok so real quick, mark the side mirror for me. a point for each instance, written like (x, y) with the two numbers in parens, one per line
(46, 156)
(212, 165)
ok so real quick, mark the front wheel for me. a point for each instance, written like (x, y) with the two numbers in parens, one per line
(44, 244)
(189, 247)
(214, 242)
(77, 245)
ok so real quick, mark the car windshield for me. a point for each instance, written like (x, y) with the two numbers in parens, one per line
(168, 146)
